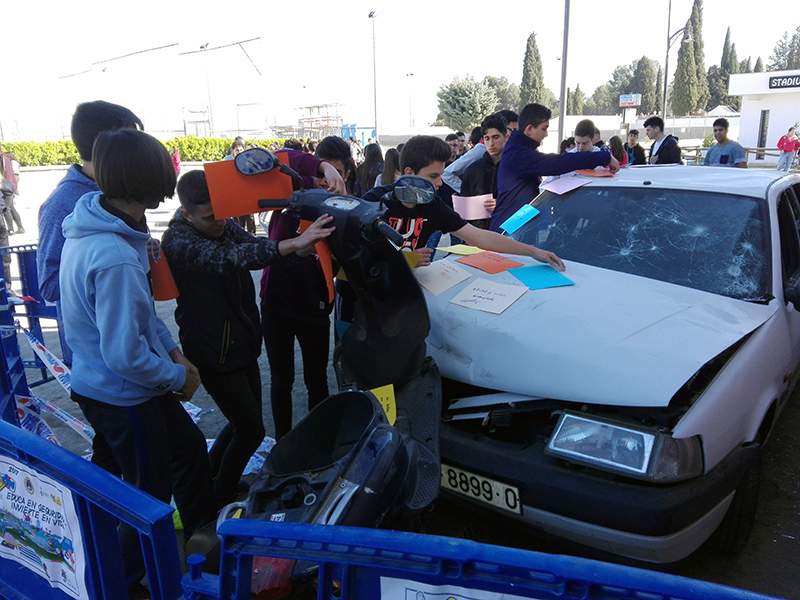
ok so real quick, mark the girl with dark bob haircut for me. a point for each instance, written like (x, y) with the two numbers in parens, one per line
(133, 166)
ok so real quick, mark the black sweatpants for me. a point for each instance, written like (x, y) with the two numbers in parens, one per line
(314, 339)
(238, 395)
(160, 451)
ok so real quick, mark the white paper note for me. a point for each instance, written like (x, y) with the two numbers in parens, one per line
(489, 296)
(440, 275)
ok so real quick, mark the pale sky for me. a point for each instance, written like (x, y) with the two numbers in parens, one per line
(317, 52)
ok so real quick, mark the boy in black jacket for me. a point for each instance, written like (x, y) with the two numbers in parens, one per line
(218, 320)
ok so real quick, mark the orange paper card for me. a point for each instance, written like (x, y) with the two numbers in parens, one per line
(236, 195)
(489, 262)
(594, 172)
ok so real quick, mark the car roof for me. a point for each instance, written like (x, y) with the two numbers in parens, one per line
(742, 182)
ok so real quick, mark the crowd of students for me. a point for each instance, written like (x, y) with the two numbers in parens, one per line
(129, 375)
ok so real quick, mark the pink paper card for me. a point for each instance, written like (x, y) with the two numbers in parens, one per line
(471, 207)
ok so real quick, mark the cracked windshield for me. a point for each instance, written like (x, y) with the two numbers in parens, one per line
(710, 242)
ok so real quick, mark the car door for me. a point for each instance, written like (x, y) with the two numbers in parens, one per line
(789, 231)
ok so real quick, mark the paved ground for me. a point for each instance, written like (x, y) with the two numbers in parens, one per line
(770, 563)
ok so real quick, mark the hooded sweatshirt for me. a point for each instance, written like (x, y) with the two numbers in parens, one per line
(121, 348)
(51, 215)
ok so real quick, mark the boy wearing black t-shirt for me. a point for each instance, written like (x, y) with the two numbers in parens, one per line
(425, 156)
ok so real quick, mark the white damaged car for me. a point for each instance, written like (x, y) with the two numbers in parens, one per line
(626, 412)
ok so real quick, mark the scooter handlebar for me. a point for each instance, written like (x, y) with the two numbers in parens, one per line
(273, 203)
(390, 233)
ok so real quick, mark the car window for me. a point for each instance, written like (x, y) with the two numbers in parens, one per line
(708, 241)
(788, 223)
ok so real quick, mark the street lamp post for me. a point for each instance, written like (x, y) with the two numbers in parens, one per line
(670, 40)
(410, 118)
(562, 109)
(374, 75)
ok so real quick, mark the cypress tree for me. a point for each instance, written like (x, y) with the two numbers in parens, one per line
(725, 62)
(659, 90)
(532, 87)
(684, 88)
(699, 54)
(759, 68)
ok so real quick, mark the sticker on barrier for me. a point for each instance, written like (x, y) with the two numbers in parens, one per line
(402, 589)
(39, 527)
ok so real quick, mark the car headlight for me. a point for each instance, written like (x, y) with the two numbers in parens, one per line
(642, 453)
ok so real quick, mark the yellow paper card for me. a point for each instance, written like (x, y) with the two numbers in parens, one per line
(385, 395)
(461, 249)
(412, 258)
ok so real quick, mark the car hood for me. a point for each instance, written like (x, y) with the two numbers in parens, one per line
(612, 338)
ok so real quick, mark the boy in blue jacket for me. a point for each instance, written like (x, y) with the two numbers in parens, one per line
(126, 368)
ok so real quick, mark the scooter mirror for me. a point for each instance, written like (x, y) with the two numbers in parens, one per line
(255, 161)
(413, 189)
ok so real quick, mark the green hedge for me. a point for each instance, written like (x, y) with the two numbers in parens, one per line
(191, 148)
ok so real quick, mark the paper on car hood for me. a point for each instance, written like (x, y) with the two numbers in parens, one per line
(612, 338)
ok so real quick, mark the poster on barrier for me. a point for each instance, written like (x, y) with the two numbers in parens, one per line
(403, 589)
(39, 527)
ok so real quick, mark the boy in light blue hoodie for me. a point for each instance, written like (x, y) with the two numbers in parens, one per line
(126, 368)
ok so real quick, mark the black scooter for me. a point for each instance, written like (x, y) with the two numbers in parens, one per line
(344, 463)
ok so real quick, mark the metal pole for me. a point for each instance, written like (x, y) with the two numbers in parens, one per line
(666, 66)
(374, 75)
(562, 109)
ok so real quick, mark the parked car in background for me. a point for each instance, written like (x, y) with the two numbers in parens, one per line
(627, 412)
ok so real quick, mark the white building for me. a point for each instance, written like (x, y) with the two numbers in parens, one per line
(770, 105)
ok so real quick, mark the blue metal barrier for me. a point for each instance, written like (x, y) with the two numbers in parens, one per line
(355, 564)
(100, 500)
(32, 310)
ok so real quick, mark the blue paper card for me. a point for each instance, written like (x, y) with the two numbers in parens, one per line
(539, 277)
(519, 218)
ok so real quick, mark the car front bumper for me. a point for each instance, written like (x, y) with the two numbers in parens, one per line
(639, 520)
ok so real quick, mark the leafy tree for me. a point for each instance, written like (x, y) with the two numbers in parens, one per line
(778, 60)
(464, 103)
(507, 93)
(532, 87)
(786, 54)
(601, 100)
(550, 100)
(759, 68)
(685, 89)
(659, 89)
(644, 82)
(793, 56)
(696, 20)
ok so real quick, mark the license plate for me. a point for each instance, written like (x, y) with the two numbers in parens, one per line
(481, 488)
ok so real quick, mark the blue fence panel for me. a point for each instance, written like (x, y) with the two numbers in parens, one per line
(100, 501)
(355, 563)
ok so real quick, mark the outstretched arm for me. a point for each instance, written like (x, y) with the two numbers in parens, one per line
(489, 240)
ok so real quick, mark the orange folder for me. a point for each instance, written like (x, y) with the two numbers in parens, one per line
(489, 262)
(164, 287)
(236, 195)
